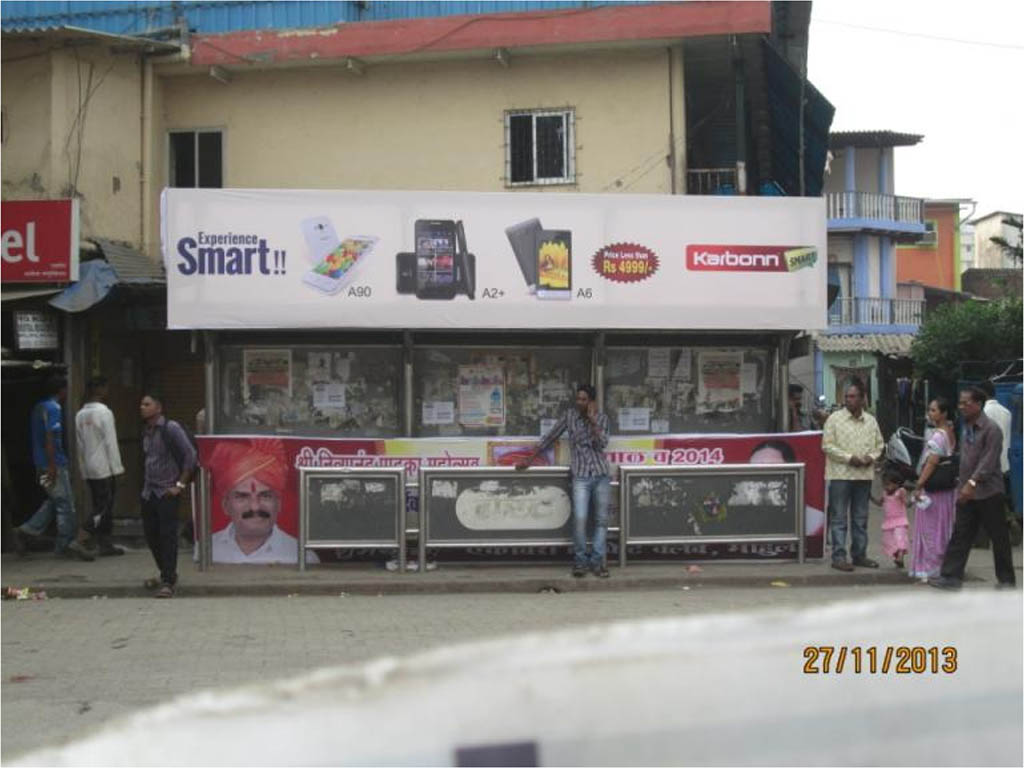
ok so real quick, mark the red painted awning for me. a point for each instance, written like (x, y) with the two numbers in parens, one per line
(658, 21)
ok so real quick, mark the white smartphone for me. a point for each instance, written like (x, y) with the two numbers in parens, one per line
(337, 267)
(320, 236)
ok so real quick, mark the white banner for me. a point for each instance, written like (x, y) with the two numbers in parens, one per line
(358, 259)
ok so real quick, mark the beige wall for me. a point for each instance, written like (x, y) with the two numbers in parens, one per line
(25, 84)
(435, 125)
(73, 126)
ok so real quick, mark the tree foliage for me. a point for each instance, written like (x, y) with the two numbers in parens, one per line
(974, 330)
(1015, 252)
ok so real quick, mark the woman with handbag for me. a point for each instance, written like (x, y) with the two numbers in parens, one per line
(934, 494)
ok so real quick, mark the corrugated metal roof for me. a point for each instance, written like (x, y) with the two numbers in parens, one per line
(131, 265)
(869, 139)
(220, 16)
(71, 33)
(886, 343)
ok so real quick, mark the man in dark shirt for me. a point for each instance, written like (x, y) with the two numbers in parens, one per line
(170, 461)
(979, 500)
(591, 478)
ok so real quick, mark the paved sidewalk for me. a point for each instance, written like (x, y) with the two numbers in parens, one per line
(123, 576)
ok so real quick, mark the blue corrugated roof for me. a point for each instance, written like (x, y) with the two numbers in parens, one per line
(134, 17)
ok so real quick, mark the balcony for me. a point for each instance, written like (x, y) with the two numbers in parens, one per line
(711, 181)
(887, 214)
(907, 313)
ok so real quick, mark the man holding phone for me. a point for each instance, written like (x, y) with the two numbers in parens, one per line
(591, 477)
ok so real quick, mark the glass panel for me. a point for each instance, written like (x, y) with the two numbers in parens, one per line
(669, 390)
(520, 147)
(491, 392)
(328, 391)
(183, 159)
(550, 147)
(210, 162)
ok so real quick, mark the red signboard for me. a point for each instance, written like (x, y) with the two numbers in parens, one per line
(40, 241)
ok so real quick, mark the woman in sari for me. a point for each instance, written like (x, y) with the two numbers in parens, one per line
(933, 522)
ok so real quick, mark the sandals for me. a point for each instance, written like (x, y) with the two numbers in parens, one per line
(165, 591)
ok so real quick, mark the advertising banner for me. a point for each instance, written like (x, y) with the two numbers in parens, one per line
(40, 241)
(254, 499)
(372, 259)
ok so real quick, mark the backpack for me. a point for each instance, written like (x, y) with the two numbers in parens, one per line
(172, 447)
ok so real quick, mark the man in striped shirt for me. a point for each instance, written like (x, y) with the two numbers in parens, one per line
(591, 478)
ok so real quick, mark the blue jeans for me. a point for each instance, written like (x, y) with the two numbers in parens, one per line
(585, 489)
(852, 495)
(58, 502)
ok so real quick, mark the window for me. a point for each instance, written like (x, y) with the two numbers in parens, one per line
(540, 147)
(930, 238)
(196, 159)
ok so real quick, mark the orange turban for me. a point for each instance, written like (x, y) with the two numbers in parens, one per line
(262, 459)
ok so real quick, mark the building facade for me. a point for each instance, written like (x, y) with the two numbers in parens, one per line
(872, 320)
(111, 103)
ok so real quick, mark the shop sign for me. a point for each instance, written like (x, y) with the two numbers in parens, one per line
(274, 465)
(36, 330)
(374, 259)
(40, 241)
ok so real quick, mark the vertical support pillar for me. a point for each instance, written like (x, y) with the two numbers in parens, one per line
(741, 118)
(861, 274)
(850, 169)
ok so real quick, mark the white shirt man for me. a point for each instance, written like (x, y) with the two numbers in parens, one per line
(99, 461)
(1003, 418)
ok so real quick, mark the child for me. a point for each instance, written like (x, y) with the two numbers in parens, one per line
(895, 525)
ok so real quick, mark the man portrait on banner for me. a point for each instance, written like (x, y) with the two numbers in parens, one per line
(249, 480)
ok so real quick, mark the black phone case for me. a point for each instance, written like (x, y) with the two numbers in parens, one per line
(523, 239)
(405, 273)
(467, 278)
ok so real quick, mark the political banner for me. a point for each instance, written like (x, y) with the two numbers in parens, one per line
(254, 498)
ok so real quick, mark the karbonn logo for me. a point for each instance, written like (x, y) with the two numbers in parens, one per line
(749, 258)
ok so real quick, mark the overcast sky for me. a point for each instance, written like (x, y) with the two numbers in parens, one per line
(966, 99)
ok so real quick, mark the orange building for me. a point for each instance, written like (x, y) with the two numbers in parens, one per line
(935, 259)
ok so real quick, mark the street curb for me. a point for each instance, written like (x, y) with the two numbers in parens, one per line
(436, 584)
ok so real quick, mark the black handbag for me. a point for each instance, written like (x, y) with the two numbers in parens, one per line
(944, 476)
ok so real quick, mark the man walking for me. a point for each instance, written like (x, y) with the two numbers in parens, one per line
(591, 478)
(852, 444)
(47, 422)
(979, 499)
(170, 461)
(99, 460)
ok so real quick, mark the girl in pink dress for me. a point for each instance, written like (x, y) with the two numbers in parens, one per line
(895, 526)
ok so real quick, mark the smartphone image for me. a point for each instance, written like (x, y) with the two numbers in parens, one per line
(467, 273)
(336, 268)
(405, 273)
(554, 264)
(320, 236)
(523, 239)
(435, 259)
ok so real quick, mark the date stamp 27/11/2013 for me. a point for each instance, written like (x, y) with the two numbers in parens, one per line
(885, 660)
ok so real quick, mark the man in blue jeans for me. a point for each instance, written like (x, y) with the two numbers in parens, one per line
(852, 443)
(591, 478)
(47, 423)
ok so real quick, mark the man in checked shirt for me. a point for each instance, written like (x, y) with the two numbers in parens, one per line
(852, 444)
(591, 478)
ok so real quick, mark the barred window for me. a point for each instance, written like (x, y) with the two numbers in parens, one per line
(540, 147)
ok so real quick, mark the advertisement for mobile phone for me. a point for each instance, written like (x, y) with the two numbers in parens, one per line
(376, 259)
